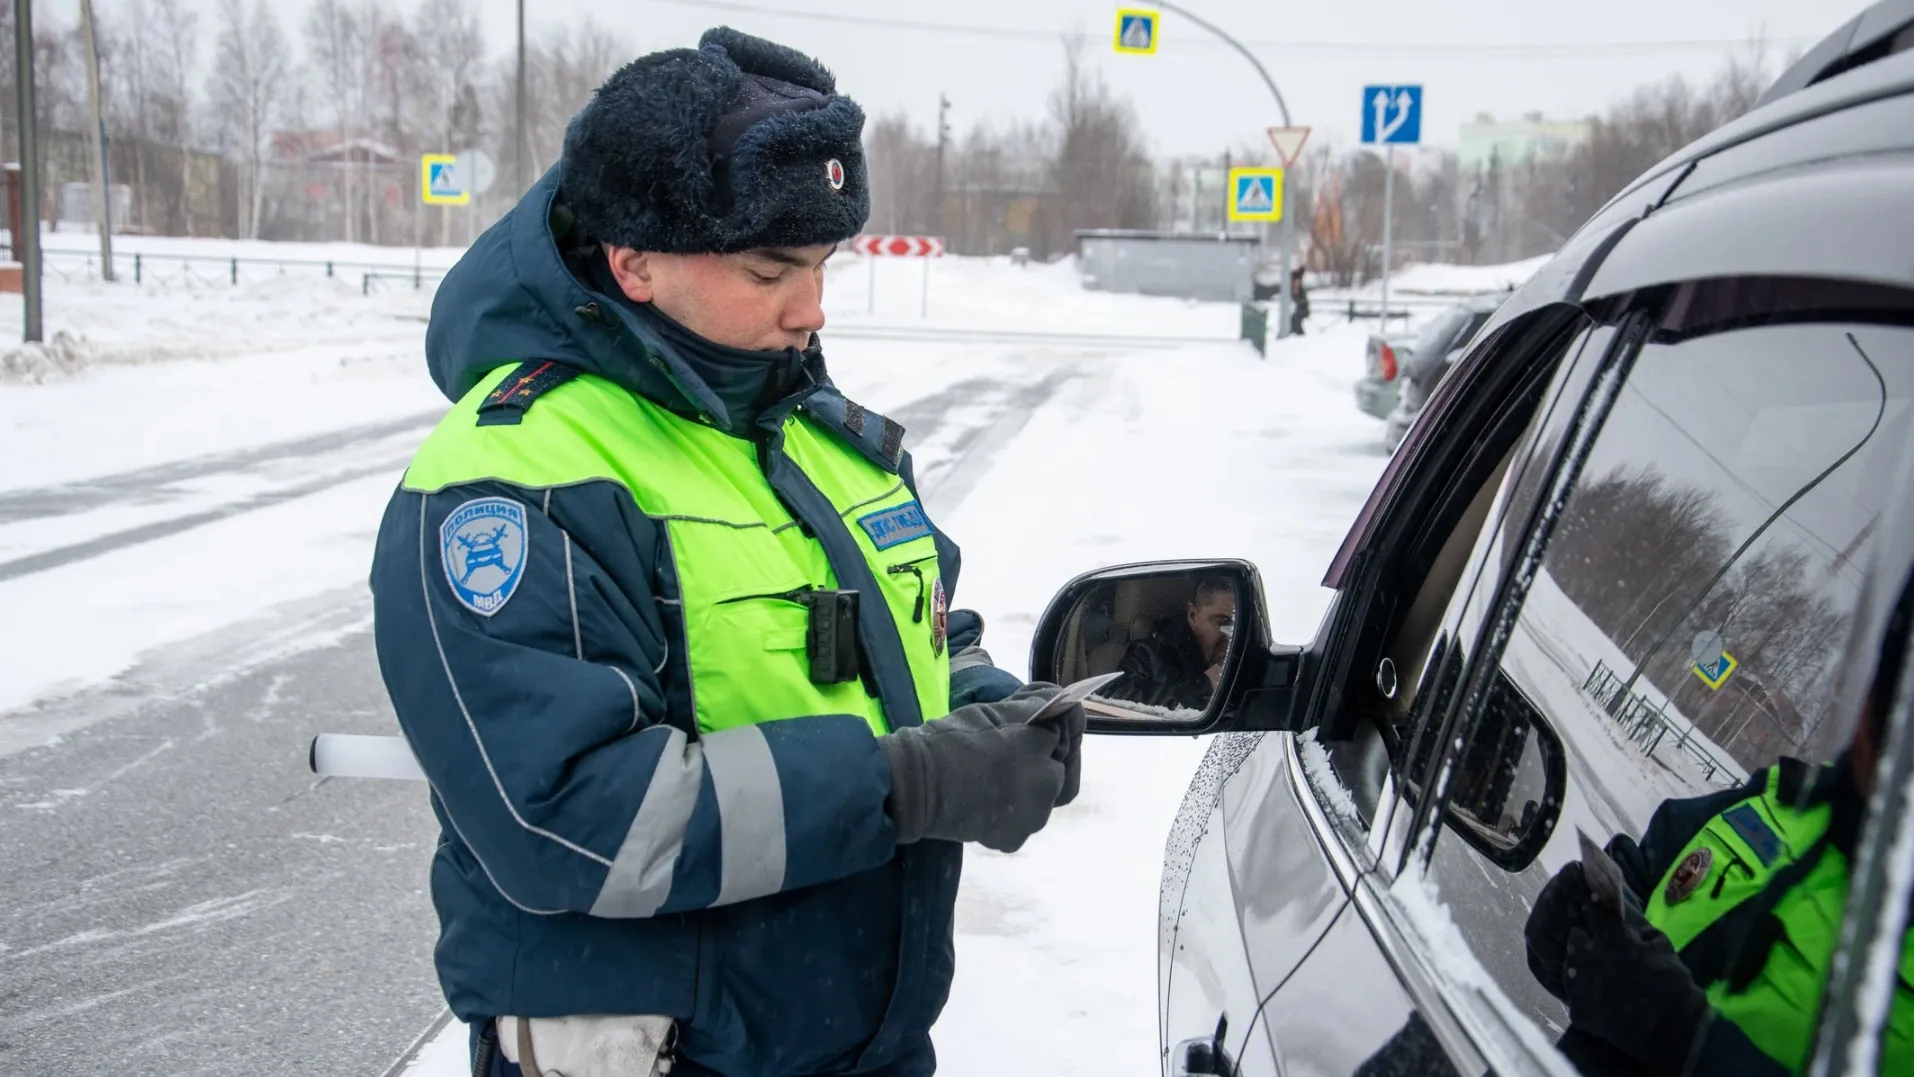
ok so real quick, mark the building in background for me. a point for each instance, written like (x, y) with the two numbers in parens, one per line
(1195, 196)
(1520, 194)
(1516, 142)
(1214, 266)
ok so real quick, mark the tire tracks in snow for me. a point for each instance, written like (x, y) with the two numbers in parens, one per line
(147, 483)
(1006, 406)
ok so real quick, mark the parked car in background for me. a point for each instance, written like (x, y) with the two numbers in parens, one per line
(1533, 622)
(1434, 351)
(1376, 393)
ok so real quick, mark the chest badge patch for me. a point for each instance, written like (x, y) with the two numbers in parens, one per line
(482, 544)
(939, 618)
(1754, 830)
(895, 526)
(1689, 875)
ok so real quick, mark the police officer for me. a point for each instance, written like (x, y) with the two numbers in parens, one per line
(667, 626)
(1722, 969)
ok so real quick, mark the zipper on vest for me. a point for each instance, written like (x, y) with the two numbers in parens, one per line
(917, 611)
(1721, 880)
(787, 596)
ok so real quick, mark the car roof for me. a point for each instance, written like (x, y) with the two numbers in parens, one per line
(1856, 114)
(1885, 25)
(1826, 80)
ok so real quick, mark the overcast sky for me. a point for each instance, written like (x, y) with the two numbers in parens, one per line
(1506, 57)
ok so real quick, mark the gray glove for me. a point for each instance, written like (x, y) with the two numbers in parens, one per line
(1070, 726)
(981, 773)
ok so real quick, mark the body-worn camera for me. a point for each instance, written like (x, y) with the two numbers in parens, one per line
(830, 644)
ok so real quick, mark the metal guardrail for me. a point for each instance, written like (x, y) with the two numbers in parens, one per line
(1647, 725)
(149, 265)
(417, 277)
(1400, 307)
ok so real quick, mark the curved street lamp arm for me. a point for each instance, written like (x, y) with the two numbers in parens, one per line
(1238, 46)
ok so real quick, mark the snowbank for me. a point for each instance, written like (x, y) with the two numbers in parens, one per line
(1436, 279)
(993, 293)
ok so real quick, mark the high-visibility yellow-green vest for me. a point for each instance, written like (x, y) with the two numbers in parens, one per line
(736, 552)
(1747, 846)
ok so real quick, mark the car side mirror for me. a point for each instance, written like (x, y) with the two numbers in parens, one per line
(1509, 780)
(1190, 638)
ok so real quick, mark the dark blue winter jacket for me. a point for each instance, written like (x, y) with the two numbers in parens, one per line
(542, 724)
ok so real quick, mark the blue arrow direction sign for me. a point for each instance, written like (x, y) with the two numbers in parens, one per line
(1392, 115)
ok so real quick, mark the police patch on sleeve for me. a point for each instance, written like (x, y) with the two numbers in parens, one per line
(896, 525)
(483, 544)
(939, 619)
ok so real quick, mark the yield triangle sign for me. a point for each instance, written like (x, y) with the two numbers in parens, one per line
(1288, 142)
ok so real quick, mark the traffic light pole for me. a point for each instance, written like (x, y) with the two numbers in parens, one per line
(1282, 289)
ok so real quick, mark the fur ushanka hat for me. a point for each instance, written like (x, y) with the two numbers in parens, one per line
(735, 145)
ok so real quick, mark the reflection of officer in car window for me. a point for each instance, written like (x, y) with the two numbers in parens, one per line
(1178, 664)
(1722, 958)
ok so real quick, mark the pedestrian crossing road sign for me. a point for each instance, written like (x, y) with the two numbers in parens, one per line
(1716, 673)
(439, 182)
(1256, 194)
(1136, 31)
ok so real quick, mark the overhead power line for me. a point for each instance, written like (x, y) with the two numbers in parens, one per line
(1017, 33)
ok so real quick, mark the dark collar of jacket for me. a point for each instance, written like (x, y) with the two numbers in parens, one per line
(515, 295)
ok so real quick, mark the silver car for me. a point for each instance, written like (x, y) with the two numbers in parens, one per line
(1613, 567)
(1435, 350)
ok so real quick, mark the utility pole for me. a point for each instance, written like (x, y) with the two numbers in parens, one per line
(1223, 214)
(518, 128)
(1388, 228)
(1282, 291)
(96, 137)
(26, 245)
(943, 137)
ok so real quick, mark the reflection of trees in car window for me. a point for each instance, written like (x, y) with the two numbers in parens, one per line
(1730, 494)
(1667, 540)
(1726, 495)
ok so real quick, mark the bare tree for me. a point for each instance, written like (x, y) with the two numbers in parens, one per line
(96, 139)
(336, 51)
(1099, 164)
(565, 66)
(901, 163)
(392, 62)
(453, 50)
(247, 93)
(175, 52)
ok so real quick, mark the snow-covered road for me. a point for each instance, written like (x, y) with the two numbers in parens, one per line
(183, 546)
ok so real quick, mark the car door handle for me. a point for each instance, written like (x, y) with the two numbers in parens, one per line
(1205, 1056)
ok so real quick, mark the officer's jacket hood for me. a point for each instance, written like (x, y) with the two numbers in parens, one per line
(515, 296)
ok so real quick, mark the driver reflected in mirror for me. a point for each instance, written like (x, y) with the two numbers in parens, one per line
(1178, 665)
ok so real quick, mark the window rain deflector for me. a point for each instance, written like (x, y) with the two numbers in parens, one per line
(1507, 603)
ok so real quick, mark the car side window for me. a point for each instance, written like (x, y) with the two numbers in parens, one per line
(1424, 653)
(1677, 631)
(1453, 505)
